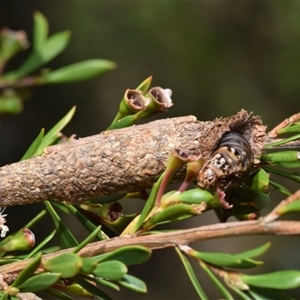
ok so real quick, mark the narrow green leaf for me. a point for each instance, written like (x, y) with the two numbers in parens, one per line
(147, 207)
(280, 188)
(189, 269)
(132, 283)
(61, 206)
(107, 283)
(87, 240)
(87, 224)
(267, 294)
(91, 288)
(31, 151)
(129, 255)
(58, 294)
(53, 133)
(280, 156)
(287, 159)
(68, 264)
(41, 245)
(124, 122)
(225, 293)
(289, 129)
(290, 208)
(40, 33)
(39, 282)
(46, 52)
(144, 86)
(67, 239)
(243, 295)
(28, 271)
(224, 259)
(113, 270)
(288, 279)
(254, 252)
(290, 176)
(193, 196)
(79, 71)
(171, 213)
(53, 46)
(283, 141)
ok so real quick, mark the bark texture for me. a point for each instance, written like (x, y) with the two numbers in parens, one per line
(118, 161)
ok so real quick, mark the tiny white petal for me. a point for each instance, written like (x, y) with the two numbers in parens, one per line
(4, 230)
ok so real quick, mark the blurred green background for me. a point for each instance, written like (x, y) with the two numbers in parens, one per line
(216, 57)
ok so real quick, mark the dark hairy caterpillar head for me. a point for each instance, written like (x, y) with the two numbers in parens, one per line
(231, 157)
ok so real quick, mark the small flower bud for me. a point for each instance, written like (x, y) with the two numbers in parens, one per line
(24, 239)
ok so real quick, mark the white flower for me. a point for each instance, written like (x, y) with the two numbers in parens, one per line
(4, 229)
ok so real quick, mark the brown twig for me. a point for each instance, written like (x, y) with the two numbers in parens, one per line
(179, 237)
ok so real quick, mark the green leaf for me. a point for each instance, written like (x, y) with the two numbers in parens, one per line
(144, 86)
(68, 264)
(28, 271)
(129, 255)
(219, 285)
(53, 133)
(193, 196)
(124, 122)
(107, 283)
(58, 294)
(91, 288)
(138, 221)
(288, 279)
(90, 226)
(290, 176)
(113, 270)
(42, 244)
(88, 239)
(40, 33)
(39, 282)
(63, 207)
(260, 180)
(283, 141)
(241, 293)
(224, 259)
(189, 269)
(67, 239)
(289, 208)
(88, 265)
(287, 159)
(245, 199)
(46, 52)
(280, 188)
(132, 283)
(267, 294)
(254, 252)
(292, 128)
(79, 71)
(171, 213)
(34, 146)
